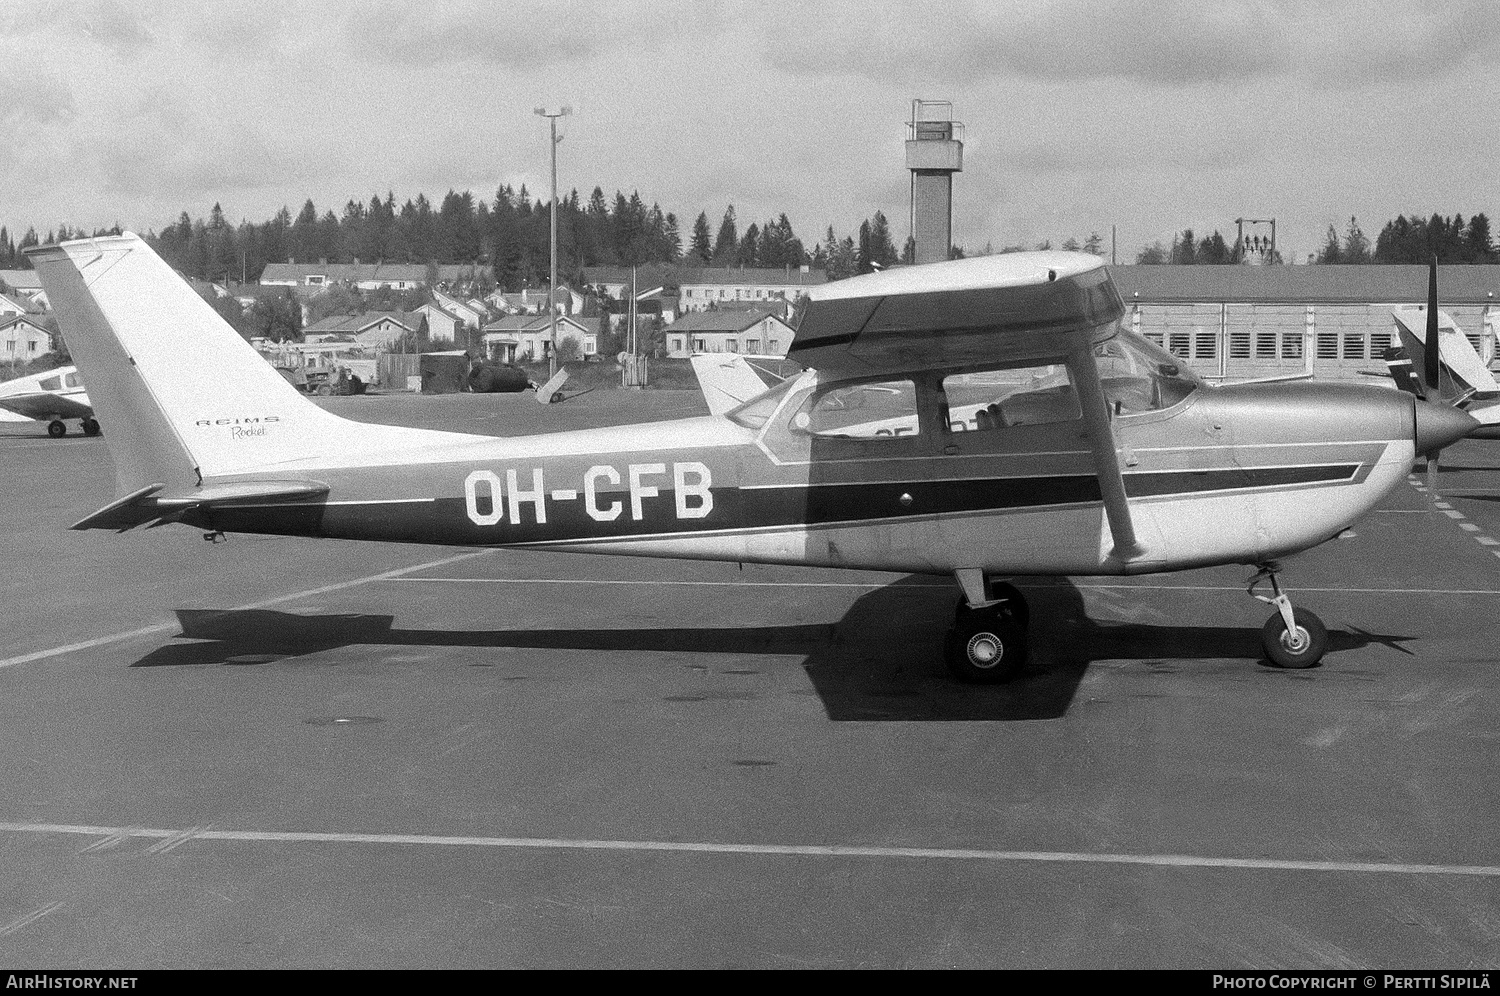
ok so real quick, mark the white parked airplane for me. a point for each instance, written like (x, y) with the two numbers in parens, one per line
(1452, 374)
(51, 397)
(1097, 453)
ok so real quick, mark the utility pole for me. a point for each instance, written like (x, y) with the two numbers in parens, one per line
(552, 280)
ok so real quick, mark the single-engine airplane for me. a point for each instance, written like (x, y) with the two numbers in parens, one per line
(51, 397)
(981, 418)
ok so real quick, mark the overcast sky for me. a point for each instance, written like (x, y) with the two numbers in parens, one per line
(1149, 116)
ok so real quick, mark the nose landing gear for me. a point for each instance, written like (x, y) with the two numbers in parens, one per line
(987, 643)
(1292, 638)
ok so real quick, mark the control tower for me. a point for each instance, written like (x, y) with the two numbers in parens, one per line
(934, 152)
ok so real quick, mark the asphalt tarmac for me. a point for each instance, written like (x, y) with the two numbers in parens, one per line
(286, 753)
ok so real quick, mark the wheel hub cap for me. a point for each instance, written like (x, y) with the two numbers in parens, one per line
(985, 650)
(1295, 642)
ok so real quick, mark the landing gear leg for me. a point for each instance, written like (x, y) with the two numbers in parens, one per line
(57, 428)
(1292, 638)
(987, 643)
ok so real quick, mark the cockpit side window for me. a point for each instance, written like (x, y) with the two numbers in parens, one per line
(979, 401)
(1139, 377)
(868, 410)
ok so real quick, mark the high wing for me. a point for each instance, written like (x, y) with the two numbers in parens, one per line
(44, 405)
(948, 315)
(727, 380)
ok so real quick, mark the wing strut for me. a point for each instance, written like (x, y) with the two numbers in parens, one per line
(1106, 462)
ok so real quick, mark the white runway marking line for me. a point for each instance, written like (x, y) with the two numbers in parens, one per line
(1463, 523)
(29, 918)
(266, 603)
(945, 585)
(785, 850)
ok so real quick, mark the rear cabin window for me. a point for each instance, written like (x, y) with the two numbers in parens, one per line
(1000, 399)
(71, 380)
(51, 384)
(873, 410)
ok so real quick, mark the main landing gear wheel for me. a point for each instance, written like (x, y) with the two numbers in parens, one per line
(1292, 638)
(90, 427)
(57, 428)
(1298, 648)
(987, 645)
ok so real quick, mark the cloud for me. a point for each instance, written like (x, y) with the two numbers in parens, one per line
(1172, 44)
(32, 100)
(117, 27)
(530, 35)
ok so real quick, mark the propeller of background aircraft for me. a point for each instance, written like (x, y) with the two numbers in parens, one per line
(1432, 367)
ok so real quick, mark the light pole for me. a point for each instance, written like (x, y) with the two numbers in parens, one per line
(552, 279)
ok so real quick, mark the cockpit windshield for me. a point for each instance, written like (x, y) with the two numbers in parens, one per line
(758, 410)
(1138, 376)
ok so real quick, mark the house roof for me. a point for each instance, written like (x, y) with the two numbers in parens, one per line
(657, 275)
(355, 324)
(1318, 284)
(21, 280)
(530, 323)
(10, 320)
(720, 321)
(22, 305)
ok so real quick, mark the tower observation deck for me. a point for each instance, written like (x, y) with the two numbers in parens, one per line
(934, 152)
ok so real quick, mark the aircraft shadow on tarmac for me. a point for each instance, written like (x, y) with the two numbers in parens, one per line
(881, 661)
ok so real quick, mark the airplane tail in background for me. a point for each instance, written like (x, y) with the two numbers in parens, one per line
(727, 380)
(181, 395)
(1400, 367)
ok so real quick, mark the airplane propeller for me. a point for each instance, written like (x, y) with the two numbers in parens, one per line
(1440, 420)
(1432, 367)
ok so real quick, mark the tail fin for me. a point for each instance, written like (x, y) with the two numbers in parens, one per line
(1400, 367)
(727, 380)
(181, 395)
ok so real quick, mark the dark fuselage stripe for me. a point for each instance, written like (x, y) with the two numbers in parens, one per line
(447, 520)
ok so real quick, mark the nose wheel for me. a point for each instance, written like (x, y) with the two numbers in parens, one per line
(1292, 638)
(987, 643)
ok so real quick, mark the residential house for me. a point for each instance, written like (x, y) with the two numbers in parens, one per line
(526, 338)
(22, 339)
(699, 286)
(534, 301)
(442, 325)
(9, 307)
(375, 330)
(472, 313)
(27, 286)
(728, 331)
(369, 276)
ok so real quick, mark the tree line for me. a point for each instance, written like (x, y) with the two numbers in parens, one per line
(508, 236)
(1401, 240)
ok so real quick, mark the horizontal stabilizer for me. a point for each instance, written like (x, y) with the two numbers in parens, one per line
(150, 505)
(46, 405)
